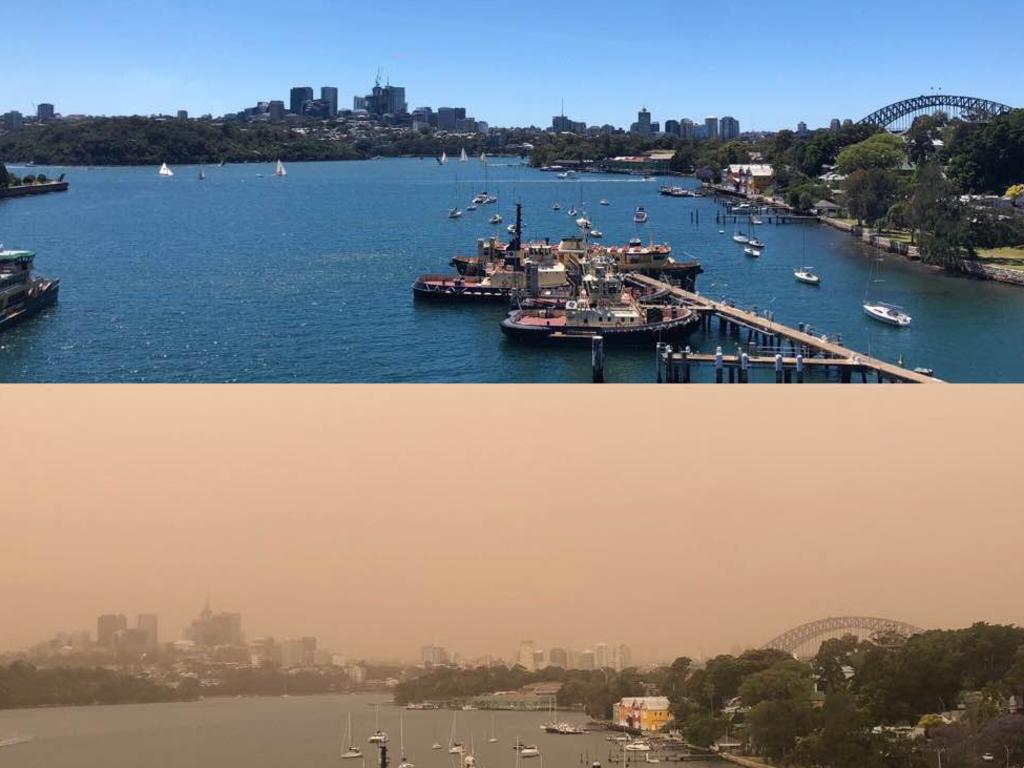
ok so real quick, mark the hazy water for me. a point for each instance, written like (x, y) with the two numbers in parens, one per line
(300, 732)
(245, 277)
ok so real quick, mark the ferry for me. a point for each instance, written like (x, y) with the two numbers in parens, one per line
(22, 294)
(603, 307)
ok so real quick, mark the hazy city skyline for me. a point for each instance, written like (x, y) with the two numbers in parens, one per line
(379, 529)
(104, 62)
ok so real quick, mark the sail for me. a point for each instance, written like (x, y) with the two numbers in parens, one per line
(464, 158)
(280, 169)
(165, 171)
(483, 157)
(202, 173)
(444, 158)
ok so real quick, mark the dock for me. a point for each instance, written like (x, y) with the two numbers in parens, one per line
(790, 352)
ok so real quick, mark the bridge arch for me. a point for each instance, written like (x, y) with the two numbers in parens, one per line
(899, 116)
(805, 640)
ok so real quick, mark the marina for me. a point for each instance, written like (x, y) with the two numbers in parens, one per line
(251, 277)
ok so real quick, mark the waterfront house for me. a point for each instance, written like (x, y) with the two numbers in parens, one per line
(749, 179)
(642, 713)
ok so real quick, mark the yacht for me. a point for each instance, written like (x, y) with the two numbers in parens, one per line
(529, 751)
(755, 243)
(637, 746)
(596, 234)
(165, 171)
(640, 217)
(556, 207)
(752, 251)
(378, 737)
(806, 275)
(583, 222)
(472, 207)
(496, 219)
(454, 213)
(887, 313)
(740, 238)
(351, 751)
(605, 202)
(567, 175)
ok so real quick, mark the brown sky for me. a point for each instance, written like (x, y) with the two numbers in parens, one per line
(675, 519)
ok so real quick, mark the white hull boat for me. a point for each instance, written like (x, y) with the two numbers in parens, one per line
(888, 314)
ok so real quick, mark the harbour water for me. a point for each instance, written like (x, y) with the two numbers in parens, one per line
(304, 732)
(246, 277)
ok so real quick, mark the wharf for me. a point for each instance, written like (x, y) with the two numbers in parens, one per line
(788, 350)
(26, 190)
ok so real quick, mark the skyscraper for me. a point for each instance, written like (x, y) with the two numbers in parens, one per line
(711, 127)
(447, 117)
(835, 125)
(329, 94)
(275, 110)
(45, 113)
(107, 625)
(729, 128)
(601, 657)
(148, 623)
(672, 127)
(687, 129)
(299, 96)
(14, 120)
(526, 658)
(643, 123)
(801, 128)
(557, 657)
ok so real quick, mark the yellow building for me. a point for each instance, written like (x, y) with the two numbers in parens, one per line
(644, 713)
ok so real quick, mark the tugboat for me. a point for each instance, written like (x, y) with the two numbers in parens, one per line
(22, 295)
(603, 307)
(653, 260)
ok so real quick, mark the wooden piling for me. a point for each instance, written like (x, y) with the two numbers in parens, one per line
(597, 359)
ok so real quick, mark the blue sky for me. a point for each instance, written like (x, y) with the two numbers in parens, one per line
(770, 64)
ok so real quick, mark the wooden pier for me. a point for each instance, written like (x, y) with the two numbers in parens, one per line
(791, 352)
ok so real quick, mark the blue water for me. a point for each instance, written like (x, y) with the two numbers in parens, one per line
(250, 278)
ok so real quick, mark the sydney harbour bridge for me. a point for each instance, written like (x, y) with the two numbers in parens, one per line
(900, 116)
(805, 640)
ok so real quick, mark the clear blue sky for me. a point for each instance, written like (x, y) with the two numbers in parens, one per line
(769, 64)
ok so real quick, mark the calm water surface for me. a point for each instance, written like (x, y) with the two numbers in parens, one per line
(300, 732)
(246, 277)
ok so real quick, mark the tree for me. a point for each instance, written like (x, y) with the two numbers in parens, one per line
(870, 193)
(789, 679)
(775, 726)
(988, 158)
(5, 177)
(834, 655)
(883, 151)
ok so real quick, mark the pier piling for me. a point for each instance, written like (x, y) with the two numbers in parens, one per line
(597, 358)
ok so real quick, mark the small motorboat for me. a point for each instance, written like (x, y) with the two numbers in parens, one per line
(436, 745)
(759, 244)
(511, 229)
(556, 207)
(583, 222)
(806, 275)
(496, 219)
(889, 314)
(572, 211)
(637, 746)
(456, 748)
(756, 221)
(741, 239)
(751, 251)
(529, 751)
(472, 207)
(454, 213)
(596, 234)
(605, 202)
(640, 217)
(379, 737)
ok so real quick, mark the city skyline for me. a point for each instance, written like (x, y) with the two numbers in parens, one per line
(105, 66)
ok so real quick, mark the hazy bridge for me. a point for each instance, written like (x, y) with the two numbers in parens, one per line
(805, 640)
(898, 117)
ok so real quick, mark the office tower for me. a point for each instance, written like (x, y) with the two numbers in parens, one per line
(711, 127)
(447, 117)
(433, 655)
(835, 125)
(587, 659)
(729, 128)
(672, 127)
(183, 114)
(642, 125)
(801, 129)
(557, 657)
(212, 629)
(329, 94)
(625, 657)
(299, 96)
(275, 110)
(45, 113)
(687, 129)
(131, 641)
(601, 657)
(526, 657)
(14, 120)
(148, 623)
(394, 100)
(107, 625)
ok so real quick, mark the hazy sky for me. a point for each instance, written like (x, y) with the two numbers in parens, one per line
(379, 519)
(768, 64)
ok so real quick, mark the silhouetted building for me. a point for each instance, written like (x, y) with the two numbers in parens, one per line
(183, 114)
(835, 125)
(433, 655)
(672, 127)
(299, 96)
(212, 629)
(448, 117)
(45, 113)
(711, 127)
(107, 626)
(329, 94)
(558, 657)
(148, 623)
(131, 641)
(801, 129)
(275, 110)
(14, 120)
(642, 125)
(687, 129)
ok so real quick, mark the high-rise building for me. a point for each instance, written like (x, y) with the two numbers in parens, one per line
(107, 625)
(394, 100)
(329, 94)
(539, 660)
(183, 114)
(526, 658)
(587, 659)
(131, 641)
(729, 128)
(835, 125)
(625, 657)
(45, 113)
(299, 96)
(557, 657)
(149, 624)
(672, 127)
(14, 120)
(275, 110)
(447, 117)
(711, 127)
(801, 128)
(602, 658)
(293, 653)
(687, 129)
(643, 123)
(433, 655)
(212, 629)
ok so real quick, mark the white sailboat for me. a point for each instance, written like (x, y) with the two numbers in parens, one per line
(807, 275)
(444, 158)
(378, 737)
(494, 735)
(349, 751)
(165, 171)
(202, 173)
(463, 158)
(483, 158)
(280, 170)
(401, 744)
(455, 747)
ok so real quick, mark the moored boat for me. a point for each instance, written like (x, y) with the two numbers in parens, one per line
(889, 314)
(22, 294)
(807, 275)
(640, 216)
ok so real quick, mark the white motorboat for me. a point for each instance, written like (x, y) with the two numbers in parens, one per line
(759, 244)
(806, 275)
(511, 229)
(596, 234)
(741, 238)
(497, 219)
(556, 207)
(165, 171)
(454, 213)
(887, 313)
(605, 202)
(436, 745)
(640, 217)
(378, 737)
(472, 207)
(583, 222)
(751, 251)
(529, 751)
(756, 221)
(637, 746)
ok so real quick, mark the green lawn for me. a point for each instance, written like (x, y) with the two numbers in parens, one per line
(1011, 258)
